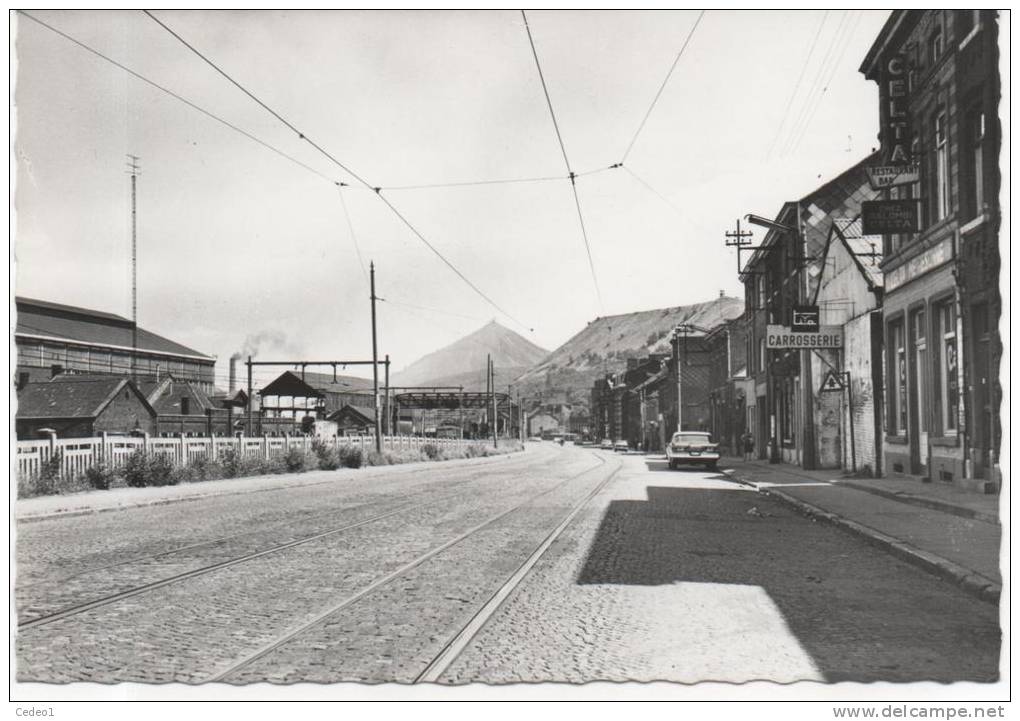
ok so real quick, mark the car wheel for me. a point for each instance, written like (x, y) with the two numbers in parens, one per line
(712, 466)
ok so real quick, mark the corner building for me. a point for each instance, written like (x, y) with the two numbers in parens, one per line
(939, 88)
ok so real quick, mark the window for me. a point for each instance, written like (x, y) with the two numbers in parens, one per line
(762, 354)
(936, 46)
(940, 171)
(185, 406)
(947, 395)
(898, 365)
(921, 366)
(974, 166)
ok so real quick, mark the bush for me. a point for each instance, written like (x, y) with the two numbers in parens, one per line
(149, 469)
(295, 460)
(432, 451)
(205, 469)
(328, 458)
(47, 481)
(100, 476)
(351, 456)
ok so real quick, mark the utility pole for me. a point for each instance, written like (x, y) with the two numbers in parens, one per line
(495, 414)
(250, 399)
(133, 172)
(375, 364)
(386, 403)
(488, 390)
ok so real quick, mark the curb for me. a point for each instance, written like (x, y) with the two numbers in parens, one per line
(932, 503)
(199, 496)
(971, 582)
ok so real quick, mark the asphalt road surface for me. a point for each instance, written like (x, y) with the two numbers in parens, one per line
(558, 564)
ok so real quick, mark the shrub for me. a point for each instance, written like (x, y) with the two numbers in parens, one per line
(136, 470)
(351, 456)
(432, 451)
(205, 469)
(144, 469)
(49, 475)
(328, 458)
(100, 476)
(294, 460)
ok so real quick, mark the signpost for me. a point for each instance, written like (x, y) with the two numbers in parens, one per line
(832, 382)
(781, 337)
(886, 176)
(879, 217)
(804, 319)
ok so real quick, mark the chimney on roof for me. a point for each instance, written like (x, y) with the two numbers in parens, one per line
(233, 374)
(722, 294)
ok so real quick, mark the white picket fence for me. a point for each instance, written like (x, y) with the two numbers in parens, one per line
(80, 454)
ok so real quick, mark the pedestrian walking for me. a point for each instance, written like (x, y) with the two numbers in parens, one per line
(747, 444)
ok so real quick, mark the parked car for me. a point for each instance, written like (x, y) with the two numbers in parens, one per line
(621, 446)
(606, 445)
(535, 438)
(692, 447)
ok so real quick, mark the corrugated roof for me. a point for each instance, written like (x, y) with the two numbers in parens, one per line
(69, 398)
(364, 411)
(66, 322)
(343, 384)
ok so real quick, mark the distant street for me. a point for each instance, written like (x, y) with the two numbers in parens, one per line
(482, 571)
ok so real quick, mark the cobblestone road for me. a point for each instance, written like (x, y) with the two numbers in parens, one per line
(663, 575)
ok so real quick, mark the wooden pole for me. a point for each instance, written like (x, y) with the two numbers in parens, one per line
(375, 366)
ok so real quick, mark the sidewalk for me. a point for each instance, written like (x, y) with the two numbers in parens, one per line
(952, 533)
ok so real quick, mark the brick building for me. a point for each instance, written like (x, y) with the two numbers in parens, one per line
(80, 407)
(939, 87)
(727, 365)
(52, 338)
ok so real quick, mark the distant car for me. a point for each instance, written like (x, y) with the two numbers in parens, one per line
(621, 446)
(692, 447)
(535, 438)
(606, 445)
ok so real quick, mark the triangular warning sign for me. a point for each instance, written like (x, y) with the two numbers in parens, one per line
(832, 382)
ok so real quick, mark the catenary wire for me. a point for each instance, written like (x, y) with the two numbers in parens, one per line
(354, 236)
(796, 87)
(848, 38)
(810, 98)
(354, 175)
(566, 161)
(184, 100)
(663, 86)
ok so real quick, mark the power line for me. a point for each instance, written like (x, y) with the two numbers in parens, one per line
(545, 90)
(664, 199)
(816, 83)
(663, 86)
(796, 87)
(472, 182)
(848, 38)
(354, 236)
(350, 172)
(573, 177)
(431, 310)
(182, 99)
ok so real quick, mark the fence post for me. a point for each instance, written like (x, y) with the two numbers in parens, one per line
(265, 445)
(102, 446)
(182, 450)
(145, 444)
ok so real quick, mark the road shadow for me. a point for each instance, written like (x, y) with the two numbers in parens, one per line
(861, 614)
(659, 465)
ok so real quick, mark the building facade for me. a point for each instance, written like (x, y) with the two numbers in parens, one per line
(939, 87)
(52, 338)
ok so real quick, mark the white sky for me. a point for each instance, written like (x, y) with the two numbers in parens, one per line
(235, 240)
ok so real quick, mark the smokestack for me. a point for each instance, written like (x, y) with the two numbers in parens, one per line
(233, 373)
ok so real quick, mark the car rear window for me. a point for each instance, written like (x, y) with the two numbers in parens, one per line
(692, 438)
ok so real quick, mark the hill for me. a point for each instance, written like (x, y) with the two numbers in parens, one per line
(566, 375)
(462, 363)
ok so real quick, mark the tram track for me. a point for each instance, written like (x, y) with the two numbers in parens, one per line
(108, 599)
(459, 641)
(223, 539)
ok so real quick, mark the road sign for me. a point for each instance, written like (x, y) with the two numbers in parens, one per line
(804, 319)
(879, 217)
(833, 382)
(886, 176)
(781, 337)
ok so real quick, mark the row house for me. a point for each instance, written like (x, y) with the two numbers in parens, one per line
(939, 89)
(781, 275)
(726, 348)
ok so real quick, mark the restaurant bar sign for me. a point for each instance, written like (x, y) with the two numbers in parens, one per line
(781, 337)
(879, 217)
(887, 176)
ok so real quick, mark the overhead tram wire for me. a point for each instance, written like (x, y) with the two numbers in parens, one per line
(796, 87)
(647, 186)
(848, 38)
(566, 161)
(182, 99)
(810, 98)
(354, 236)
(325, 153)
(663, 86)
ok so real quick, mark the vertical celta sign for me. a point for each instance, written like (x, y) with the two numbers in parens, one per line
(896, 135)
